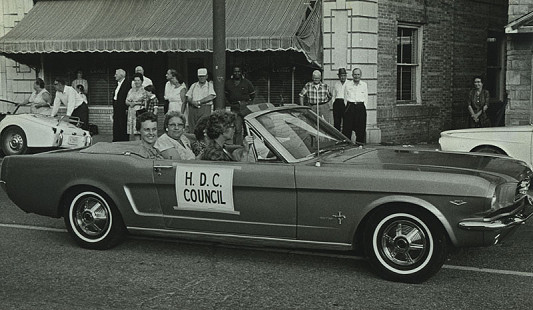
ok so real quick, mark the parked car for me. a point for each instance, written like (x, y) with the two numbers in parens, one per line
(18, 132)
(514, 141)
(403, 208)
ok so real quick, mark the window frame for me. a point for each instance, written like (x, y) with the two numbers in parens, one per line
(417, 64)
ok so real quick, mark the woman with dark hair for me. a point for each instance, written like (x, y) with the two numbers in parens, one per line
(478, 103)
(134, 101)
(146, 125)
(173, 144)
(40, 99)
(151, 102)
(199, 146)
(221, 128)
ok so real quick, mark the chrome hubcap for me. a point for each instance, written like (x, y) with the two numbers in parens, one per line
(92, 217)
(404, 243)
(16, 142)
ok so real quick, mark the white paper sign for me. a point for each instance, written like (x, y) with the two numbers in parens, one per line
(204, 188)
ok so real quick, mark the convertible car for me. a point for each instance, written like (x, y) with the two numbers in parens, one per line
(21, 131)
(514, 141)
(308, 187)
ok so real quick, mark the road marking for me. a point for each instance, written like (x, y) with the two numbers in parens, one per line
(33, 227)
(289, 251)
(489, 270)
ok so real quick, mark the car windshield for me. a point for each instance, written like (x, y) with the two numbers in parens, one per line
(296, 130)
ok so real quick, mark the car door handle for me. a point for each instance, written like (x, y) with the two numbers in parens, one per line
(158, 168)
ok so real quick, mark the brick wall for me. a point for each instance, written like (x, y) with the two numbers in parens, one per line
(453, 51)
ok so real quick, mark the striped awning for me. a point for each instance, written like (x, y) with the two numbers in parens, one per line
(71, 26)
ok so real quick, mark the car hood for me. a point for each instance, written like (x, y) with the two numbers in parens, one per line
(47, 121)
(431, 161)
(507, 129)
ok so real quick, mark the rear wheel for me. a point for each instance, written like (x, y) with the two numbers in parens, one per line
(93, 221)
(405, 244)
(14, 141)
(489, 149)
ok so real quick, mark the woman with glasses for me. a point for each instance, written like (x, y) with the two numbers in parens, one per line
(173, 144)
(221, 129)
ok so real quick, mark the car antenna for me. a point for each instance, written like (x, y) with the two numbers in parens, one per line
(317, 164)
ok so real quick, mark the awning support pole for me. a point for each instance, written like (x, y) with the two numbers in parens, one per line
(219, 51)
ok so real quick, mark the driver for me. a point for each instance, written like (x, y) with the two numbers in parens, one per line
(221, 129)
(39, 100)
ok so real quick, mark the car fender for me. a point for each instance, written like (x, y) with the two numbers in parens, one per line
(389, 201)
(37, 134)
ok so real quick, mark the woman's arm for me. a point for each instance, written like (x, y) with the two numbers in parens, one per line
(183, 100)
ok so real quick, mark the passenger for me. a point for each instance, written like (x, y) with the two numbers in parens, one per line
(146, 125)
(221, 128)
(173, 144)
(40, 99)
(199, 145)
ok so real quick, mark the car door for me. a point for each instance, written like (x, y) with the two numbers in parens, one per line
(256, 199)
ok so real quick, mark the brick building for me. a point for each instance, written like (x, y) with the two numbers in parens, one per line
(519, 62)
(417, 56)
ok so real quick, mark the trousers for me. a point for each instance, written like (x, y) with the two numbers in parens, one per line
(354, 119)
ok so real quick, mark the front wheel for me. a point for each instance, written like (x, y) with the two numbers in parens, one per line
(93, 221)
(405, 244)
(14, 141)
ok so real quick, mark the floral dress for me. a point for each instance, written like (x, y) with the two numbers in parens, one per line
(137, 96)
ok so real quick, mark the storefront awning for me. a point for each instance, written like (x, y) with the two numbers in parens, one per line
(71, 26)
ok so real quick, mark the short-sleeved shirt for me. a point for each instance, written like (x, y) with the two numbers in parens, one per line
(244, 91)
(356, 93)
(198, 92)
(316, 93)
(164, 142)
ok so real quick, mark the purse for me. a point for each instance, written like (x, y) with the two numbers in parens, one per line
(139, 112)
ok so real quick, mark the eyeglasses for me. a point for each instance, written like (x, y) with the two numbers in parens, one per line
(176, 126)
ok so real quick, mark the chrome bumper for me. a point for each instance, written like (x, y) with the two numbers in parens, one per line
(504, 222)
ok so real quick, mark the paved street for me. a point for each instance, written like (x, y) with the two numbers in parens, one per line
(42, 268)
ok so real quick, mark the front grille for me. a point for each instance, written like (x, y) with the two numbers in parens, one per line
(522, 187)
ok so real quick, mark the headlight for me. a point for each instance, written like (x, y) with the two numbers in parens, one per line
(504, 195)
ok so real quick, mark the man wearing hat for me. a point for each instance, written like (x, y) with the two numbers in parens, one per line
(338, 97)
(318, 96)
(200, 98)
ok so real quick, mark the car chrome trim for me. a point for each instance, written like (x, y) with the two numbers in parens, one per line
(127, 191)
(501, 222)
(235, 236)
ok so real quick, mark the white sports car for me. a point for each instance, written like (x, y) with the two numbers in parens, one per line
(514, 141)
(18, 132)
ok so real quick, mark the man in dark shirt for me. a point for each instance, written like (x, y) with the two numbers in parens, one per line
(239, 93)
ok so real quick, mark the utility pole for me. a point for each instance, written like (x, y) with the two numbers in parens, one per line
(219, 51)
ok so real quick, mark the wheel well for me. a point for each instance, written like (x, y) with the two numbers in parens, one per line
(358, 237)
(9, 127)
(71, 192)
(488, 146)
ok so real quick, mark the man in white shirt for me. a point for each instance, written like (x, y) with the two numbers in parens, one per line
(338, 98)
(146, 80)
(355, 98)
(76, 106)
(200, 98)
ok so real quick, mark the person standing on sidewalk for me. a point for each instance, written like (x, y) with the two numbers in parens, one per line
(200, 98)
(338, 97)
(355, 97)
(120, 109)
(318, 96)
(239, 93)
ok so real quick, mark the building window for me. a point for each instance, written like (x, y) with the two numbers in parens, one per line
(408, 64)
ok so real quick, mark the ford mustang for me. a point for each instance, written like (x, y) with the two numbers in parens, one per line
(21, 131)
(309, 187)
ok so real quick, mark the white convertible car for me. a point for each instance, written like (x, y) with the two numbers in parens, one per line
(514, 141)
(18, 132)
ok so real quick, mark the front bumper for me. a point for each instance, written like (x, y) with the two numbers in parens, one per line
(496, 229)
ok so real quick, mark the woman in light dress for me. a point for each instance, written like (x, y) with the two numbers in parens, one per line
(175, 91)
(39, 100)
(135, 102)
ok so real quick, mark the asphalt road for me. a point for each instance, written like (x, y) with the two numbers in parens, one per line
(42, 268)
